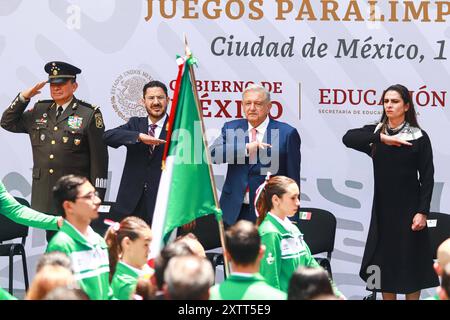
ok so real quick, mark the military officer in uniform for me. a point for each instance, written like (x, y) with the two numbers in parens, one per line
(65, 133)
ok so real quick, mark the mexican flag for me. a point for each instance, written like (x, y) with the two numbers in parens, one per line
(186, 189)
(304, 215)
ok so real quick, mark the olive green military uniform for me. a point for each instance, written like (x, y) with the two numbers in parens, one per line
(70, 145)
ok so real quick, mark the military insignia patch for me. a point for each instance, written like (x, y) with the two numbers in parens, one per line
(75, 122)
(41, 121)
(98, 120)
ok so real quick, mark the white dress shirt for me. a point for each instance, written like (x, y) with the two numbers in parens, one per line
(159, 125)
(64, 106)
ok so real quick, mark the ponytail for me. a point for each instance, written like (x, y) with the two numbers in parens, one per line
(262, 207)
(130, 227)
(113, 249)
(274, 186)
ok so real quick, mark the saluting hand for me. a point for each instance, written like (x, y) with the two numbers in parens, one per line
(393, 141)
(31, 92)
(419, 222)
(149, 140)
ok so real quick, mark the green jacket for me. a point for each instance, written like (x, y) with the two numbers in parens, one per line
(90, 261)
(4, 295)
(285, 252)
(243, 287)
(124, 281)
(435, 297)
(13, 210)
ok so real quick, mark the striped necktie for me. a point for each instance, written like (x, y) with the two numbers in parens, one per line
(151, 132)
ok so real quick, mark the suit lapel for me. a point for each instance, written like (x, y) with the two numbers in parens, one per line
(272, 132)
(163, 133)
(159, 149)
(243, 125)
(143, 125)
(51, 112)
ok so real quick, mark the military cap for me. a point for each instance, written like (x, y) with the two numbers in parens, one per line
(60, 72)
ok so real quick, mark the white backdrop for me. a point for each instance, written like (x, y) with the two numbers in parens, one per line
(317, 90)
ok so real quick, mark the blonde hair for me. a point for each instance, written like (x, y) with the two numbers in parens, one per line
(443, 253)
(47, 279)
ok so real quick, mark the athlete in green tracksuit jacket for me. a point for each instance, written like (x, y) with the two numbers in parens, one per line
(125, 279)
(285, 252)
(89, 256)
(10, 208)
(240, 286)
(4, 295)
(19, 213)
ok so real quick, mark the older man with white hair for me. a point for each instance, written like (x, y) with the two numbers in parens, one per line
(252, 147)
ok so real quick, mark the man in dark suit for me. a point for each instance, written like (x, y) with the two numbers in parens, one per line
(65, 133)
(252, 147)
(144, 138)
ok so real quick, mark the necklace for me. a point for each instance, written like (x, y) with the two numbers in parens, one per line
(393, 131)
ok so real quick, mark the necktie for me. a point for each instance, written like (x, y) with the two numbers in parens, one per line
(59, 112)
(151, 132)
(252, 155)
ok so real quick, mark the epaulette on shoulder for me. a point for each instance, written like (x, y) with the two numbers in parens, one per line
(86, 104)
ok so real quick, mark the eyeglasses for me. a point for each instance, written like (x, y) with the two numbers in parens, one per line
(90, 196)
(159, 98)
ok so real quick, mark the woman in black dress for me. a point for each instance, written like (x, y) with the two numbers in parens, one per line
(397, 250)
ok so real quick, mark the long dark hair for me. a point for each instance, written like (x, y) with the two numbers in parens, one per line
(410, 115)
(275, 186)
(131, 227)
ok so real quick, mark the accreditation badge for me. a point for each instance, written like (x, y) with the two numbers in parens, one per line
(291, 246)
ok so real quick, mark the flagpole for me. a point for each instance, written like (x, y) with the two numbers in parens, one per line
(211, 177)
